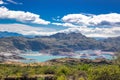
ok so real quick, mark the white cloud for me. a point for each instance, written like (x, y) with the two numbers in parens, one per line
(103, 25)
(13, 2)
(26, 30)
(65, 24)
(75, 22)
(95, 32)
(21, 16)
(9, 1)
(1, 2)
(93, 20)
(89, 32)
(76, 19)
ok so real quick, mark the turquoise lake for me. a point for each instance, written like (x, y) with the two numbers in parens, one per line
(40, 58)
(87, 54)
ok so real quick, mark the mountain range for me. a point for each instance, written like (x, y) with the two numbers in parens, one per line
(58, 43)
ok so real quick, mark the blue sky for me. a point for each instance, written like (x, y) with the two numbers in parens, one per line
(53, 8)
(93, 18)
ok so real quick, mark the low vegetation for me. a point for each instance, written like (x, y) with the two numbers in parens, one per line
(61, 70)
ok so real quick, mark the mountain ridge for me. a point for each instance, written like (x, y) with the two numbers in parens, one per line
(9, 34)
(58, 43)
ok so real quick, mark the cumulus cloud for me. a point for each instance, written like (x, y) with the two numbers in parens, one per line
(26, 30)
(103, 25)
(93, 20)
(26, 17)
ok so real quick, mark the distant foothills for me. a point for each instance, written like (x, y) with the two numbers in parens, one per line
(56, 44)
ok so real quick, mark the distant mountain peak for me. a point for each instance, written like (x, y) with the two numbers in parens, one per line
(9, 34)
(70, 35)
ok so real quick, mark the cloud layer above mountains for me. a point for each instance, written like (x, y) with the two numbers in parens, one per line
(26, 30)
(102, 25)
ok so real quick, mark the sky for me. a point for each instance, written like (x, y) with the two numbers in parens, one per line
(93, 18)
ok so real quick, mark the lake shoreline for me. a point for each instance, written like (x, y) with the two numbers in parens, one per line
(32, 57)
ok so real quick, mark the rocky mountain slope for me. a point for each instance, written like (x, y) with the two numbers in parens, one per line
(58, 43)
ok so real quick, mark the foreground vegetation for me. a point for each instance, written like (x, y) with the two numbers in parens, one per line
(62, 71)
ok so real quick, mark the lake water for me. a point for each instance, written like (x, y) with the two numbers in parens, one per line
(40, 58)
(87, 54)
(95, 54)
